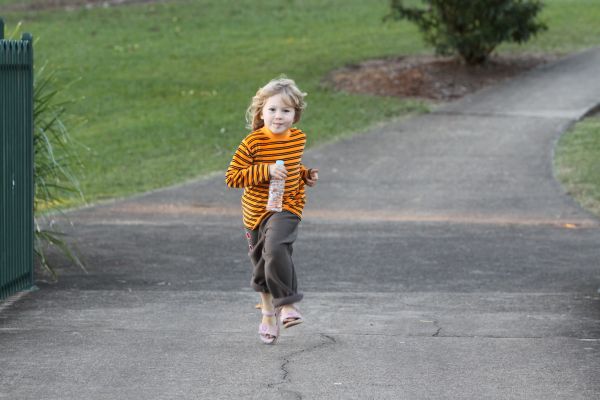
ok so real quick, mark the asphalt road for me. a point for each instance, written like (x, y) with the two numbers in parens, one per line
(439, 258)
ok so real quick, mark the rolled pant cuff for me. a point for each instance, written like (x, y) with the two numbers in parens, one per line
(283, 301)
(258, 288)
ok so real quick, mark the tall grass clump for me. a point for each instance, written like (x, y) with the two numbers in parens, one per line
(54, 163)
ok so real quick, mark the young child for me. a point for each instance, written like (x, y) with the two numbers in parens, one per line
(273, 110)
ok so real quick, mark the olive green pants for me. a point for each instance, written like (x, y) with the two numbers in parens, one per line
(270, 250)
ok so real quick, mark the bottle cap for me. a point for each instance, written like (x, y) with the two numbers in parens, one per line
(279, 162)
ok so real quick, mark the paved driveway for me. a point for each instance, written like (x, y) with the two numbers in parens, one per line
(439, 258)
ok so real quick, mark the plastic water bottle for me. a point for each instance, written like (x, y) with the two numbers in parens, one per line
(276, 188)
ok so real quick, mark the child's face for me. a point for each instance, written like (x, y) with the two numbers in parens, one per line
(277, 114)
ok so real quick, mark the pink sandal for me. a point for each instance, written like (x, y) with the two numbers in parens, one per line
(290, 318)
(269, 333)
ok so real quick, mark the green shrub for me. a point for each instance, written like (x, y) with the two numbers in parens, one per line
(472, 28)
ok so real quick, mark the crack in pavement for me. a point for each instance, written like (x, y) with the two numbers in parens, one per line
(285, 379)
(436, 325)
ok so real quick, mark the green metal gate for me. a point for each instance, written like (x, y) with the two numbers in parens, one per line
(16, 164)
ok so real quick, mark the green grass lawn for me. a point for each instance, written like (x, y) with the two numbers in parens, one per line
(577, 163)
(164, 86)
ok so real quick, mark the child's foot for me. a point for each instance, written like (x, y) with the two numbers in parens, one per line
(269, 328)
(269, 319)
(290, 316)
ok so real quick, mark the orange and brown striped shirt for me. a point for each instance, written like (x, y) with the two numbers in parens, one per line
(249, 169)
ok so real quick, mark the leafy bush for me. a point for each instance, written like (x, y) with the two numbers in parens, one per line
(472, 28)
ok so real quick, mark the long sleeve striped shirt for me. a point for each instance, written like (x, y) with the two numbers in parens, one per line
(249, 169)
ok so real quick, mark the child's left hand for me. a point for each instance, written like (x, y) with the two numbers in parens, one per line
(313, 177)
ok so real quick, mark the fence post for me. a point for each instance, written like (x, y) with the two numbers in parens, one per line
(16, 164)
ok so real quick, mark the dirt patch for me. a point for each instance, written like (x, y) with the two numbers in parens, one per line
(429, 77)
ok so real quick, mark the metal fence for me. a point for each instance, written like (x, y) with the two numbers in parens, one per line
(16, 164)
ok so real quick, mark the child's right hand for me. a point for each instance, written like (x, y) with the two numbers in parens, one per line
(277, 171)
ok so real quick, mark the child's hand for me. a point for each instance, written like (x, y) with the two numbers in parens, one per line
(277, 171)
(313, 177)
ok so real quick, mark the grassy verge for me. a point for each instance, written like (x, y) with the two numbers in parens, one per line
(164, 86)
(577, 163)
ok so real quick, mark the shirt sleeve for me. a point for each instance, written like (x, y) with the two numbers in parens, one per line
(243, 172)
(304, 172)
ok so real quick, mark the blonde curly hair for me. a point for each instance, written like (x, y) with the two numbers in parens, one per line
(291, 94)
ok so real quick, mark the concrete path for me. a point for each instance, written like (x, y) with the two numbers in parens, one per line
(439, 258)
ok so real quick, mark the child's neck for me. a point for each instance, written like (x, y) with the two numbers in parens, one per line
(283, 135)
